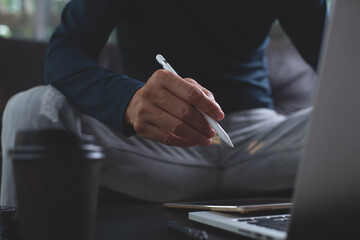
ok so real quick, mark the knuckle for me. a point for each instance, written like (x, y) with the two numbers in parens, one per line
(176, 127)
(210, 96)
(162, 74)
(146, 93)
(141, 111)
(167, 77)
(140, 129)
(158, 73)
(194, 94)
(192, 81)
(156, 78)
(167, 140)
(208, 93)
(185, 112)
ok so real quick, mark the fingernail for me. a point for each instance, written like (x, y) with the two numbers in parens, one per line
(212, 133)
(207, 142)
(220, 115)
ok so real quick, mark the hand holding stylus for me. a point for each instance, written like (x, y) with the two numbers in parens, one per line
(165, 110)
(216, 126)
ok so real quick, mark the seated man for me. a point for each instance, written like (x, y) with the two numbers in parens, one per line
(159, 147)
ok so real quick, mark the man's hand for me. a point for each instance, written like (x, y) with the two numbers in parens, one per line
(165, 110)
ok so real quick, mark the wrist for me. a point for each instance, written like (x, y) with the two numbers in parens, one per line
(130, 110)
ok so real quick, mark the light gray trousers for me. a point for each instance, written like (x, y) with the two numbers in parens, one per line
(265, 158)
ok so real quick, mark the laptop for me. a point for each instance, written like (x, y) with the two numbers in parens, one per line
(327, 193)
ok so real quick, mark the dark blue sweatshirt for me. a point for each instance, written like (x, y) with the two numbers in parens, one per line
(220, 44)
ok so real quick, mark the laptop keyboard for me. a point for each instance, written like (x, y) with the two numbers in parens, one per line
(277, 222)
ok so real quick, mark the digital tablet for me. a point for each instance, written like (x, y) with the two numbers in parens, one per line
(243, 205)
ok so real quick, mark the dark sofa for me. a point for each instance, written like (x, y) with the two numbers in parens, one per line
(21, 67)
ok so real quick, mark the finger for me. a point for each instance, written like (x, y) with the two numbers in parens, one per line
(192, 94)
(148, 131)
(158, 117)
(161, 135)
(206, 91)
(178, 128)
(184, 112)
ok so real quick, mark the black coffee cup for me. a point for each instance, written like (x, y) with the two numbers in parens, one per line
(8, 223)
(56, 178)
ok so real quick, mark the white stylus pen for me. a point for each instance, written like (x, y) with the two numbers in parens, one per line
(214, 124)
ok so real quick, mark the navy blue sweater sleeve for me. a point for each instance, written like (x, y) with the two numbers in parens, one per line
(304, 21)
(71, 62)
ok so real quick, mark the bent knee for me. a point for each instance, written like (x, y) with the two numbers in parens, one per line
(29, 108)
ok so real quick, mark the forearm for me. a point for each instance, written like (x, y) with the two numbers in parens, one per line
(100, 93)
(71, 66)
